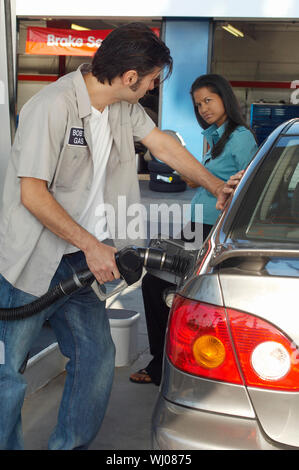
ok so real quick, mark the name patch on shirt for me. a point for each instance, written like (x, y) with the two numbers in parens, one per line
(77, 137)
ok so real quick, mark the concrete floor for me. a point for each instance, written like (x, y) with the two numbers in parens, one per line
(127, 422)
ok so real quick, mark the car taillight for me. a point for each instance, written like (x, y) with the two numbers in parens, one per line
(202, 337)
(268, 358)
(198, 341)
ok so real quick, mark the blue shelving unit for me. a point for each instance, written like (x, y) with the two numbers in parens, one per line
(264, 117)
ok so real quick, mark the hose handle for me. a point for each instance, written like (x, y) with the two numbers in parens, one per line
(129, 264)
(103, 295)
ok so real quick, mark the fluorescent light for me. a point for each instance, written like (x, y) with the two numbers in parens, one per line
(232, 30)
(227, 29)
(235, 30)
(79, 28)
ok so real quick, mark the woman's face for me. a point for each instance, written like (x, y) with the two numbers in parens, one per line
(210, 106)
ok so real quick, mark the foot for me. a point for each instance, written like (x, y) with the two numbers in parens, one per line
(141, 377)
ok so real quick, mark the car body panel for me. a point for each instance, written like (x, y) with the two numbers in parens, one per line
(206, 288)
(203, 394)
(249, 263)
(293, 129)
(272, 298)
(177, 427)
(278, 414)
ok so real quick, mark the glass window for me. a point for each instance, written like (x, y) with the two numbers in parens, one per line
(270, 207)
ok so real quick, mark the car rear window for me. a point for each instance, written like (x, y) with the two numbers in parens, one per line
(270, 207)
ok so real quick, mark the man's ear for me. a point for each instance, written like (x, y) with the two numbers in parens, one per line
(130, 77)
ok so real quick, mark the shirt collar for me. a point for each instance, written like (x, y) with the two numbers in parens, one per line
(84, 106)
(214, 133)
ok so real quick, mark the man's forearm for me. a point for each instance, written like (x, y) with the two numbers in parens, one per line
(99, 257)
(167, 149)
(37, 199)
(185, 164)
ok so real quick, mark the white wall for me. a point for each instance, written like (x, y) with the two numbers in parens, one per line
(5, 134)
(38, 64)
(172, 8)
(268, 52)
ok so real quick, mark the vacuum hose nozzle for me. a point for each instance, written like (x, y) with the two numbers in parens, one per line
(154, 258)
(130, 262)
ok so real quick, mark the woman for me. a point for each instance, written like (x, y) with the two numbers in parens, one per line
(231, 147)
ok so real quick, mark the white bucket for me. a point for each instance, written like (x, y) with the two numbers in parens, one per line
(124, 332)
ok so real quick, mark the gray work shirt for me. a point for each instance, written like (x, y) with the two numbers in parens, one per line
(53, 143)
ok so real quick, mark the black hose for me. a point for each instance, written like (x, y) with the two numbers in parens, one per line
(26, 311)
(130, 262)
(79, 280)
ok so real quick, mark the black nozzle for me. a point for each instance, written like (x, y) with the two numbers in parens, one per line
(130, 264)
(158, 259)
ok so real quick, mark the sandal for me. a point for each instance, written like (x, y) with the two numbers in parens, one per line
(141, 377)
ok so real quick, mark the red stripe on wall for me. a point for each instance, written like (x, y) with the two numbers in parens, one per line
(38, 78)
(234, 83)
(256, 84)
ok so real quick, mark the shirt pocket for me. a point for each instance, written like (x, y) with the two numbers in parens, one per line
(126, 145)
(74, 163)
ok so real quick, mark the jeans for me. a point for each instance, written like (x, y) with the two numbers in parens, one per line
(83, 334)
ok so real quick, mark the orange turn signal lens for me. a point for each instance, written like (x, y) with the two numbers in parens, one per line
(208, 351)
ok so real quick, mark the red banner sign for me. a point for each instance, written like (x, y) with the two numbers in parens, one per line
(51, 41)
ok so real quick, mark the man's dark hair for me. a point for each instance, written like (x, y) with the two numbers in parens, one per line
(219, 85)
(133, 46)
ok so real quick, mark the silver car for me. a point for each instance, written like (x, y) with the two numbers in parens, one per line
(231, 366)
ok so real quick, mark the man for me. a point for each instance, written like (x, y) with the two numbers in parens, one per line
(74, 151)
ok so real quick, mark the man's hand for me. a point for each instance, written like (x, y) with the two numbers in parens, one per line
(100, 259)
(228, 189)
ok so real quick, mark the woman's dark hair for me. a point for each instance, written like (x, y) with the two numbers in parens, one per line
(219, 85)
(133, 46)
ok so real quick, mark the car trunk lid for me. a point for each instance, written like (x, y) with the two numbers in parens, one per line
(265, 283)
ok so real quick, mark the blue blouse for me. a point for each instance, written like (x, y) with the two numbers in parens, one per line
(237, 153)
